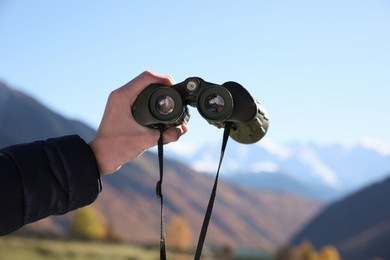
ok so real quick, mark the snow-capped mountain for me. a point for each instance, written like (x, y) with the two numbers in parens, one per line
(323, 171)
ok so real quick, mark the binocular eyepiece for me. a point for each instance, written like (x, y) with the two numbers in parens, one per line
(163, 105)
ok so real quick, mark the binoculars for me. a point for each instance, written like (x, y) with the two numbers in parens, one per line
(166, 106)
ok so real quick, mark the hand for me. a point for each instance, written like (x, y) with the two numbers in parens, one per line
(119, 138)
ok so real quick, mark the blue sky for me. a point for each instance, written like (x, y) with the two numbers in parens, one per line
(321, 68)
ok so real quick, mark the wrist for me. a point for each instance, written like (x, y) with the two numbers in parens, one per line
(105, 163)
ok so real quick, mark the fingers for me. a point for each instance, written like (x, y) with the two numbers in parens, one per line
(174, 133)
(135, 86)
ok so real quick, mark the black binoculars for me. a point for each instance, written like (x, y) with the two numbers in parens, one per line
(166, 106)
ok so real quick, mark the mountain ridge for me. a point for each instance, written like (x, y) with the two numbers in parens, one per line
(11, 107)
(329, 171)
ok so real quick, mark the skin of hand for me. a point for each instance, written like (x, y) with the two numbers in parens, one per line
(119, 138)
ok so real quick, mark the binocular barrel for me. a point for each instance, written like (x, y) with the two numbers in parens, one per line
(163, 105)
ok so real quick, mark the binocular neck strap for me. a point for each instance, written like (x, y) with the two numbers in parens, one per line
(160, 144)
(210, 205)
(209, 210)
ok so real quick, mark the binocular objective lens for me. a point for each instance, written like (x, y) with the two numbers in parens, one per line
(214, 104)
(165, 105)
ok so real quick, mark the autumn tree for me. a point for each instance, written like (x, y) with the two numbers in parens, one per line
(179, 234)
(87, 224)
(329, 253)
(305, 251)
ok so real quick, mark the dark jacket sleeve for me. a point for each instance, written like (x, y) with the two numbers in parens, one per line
(45, 178)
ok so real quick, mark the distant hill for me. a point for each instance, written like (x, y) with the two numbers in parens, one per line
(242, 216)
(359, 225)
(24, 119)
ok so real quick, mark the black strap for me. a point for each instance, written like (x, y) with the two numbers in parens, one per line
(163, 254)
(209, 210)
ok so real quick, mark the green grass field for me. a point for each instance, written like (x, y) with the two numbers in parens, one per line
(21, 248)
